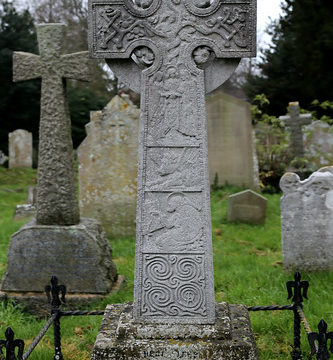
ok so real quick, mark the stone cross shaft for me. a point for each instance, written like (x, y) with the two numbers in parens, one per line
(173, 52)
(57, 202)
(295, 121)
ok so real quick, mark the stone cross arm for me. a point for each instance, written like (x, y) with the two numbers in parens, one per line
(305, 119)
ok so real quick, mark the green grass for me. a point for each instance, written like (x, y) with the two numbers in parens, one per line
(247, 267)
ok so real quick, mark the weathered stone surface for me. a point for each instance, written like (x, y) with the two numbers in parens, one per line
(57, 202)
(180, 50)
(35, 303)
(295, 121)
(27, 210)
(247, 206)
(20, 149)
(108, 169)
(318, 143)
(122, 338)
(231, 150)
(79, 255)
(3, 158)
(307, 221)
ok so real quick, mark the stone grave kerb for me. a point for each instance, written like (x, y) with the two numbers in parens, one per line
(57, 202)
(294, 120)
(173, 53)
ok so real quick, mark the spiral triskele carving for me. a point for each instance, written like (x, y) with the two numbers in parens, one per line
(174, 285)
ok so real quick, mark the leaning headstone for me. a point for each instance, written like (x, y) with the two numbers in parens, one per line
(295, 121)
(3, 158)
(247, 207)
(27, 210)
(20, 149)
(173, 45)
(57, 242)
(108, 168)
(231, 150)
(307, 221)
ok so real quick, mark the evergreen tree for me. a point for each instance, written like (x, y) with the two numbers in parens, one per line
(19, 103)
(297, 66)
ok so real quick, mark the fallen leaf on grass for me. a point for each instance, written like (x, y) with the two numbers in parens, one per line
(277, 263)
(218, 232)
(259, 252)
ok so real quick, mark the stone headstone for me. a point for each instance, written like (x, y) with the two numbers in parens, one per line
(173, 53)
(108, 168)
(27, 210)
(20, 149)
(247, 207)
(231, 150)
(3, 158)
(318, 143)
(295, 121)
(57, 242)
(307, 221)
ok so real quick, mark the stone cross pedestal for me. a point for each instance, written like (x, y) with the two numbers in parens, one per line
(173, 53)
(57, 242)
(295, 121)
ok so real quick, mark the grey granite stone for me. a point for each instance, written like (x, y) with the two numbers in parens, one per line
(173, 52)
(3, 158)
(295, 121)
(27, 210)
(108, 167)
(57, 202)
(307, 221)
(121, 338)
(79, 255)
(20, 149)
(248, 207)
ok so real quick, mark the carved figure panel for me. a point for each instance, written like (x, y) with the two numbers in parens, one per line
(174, 169)
(173, 222)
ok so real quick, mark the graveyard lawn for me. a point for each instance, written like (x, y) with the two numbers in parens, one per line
(247, 269)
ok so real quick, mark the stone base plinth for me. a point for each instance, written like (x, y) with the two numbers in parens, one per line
(36, 303)
(230, 338)
(79, 255)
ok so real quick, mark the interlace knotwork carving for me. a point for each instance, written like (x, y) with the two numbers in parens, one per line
(144, 4)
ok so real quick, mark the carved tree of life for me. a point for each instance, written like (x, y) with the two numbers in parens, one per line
(173, 52)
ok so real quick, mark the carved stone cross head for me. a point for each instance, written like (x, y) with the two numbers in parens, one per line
(173, 52)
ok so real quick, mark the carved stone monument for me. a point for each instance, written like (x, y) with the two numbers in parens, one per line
(231, 147)
(20, 149)
(295, 121)
(247, 207)
(173, 52)
(108, 169)
(307, 221)
(56, 242)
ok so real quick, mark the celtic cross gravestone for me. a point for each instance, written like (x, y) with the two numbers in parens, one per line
(57, 242)
(172, 52)
(295, 121)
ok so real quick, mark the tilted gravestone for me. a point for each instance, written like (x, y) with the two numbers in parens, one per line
(248, 207)
(231, 147)
(295, 121)
(57, 242)
(20, 149)
(173, 52)
(307, 221)
(108, 159)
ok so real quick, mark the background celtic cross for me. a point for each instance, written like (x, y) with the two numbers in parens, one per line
(173, 52)
(57, 202)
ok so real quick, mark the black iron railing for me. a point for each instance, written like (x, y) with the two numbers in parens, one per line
(321, 343)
